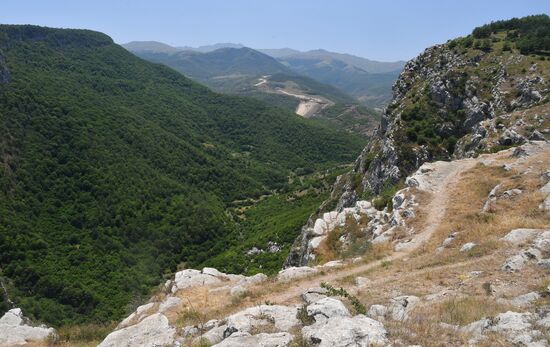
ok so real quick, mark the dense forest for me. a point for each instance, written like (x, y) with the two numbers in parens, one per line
(530, 34)
(114, 170)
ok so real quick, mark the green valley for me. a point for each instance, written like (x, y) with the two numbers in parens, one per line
(114, 170)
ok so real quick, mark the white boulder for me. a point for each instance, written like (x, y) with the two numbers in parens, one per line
(358, 331)
(314, 294)
(279, 318)
(168, 303)
(136, 316)
(467, 247)
(377, 312)
(516, 327)
(525, 299)
(401, 306)
(320, 227)
(362, 282)
(519, 236)
(152, 331)
(191, 278)
(326, 308)
(260, 340)
(292, 273)
(15, 332)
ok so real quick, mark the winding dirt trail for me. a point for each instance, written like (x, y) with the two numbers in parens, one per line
(438, 183)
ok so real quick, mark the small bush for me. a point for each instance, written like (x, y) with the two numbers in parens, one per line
(303, 317)
(355, 303)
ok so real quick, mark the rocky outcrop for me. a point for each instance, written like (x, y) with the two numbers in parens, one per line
(149, 326)
(346, 331)
(535, 248)
(15, 330)
(152, 331)
(292, 273)
(259, 340)
(517, 328)
(268, 317)
(326, 308)
(474, 101)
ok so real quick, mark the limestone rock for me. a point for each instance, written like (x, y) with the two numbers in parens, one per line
(346, 331)
(467, 247)
(212, 272)
(544, 263)
(377, 312)
(515, 263)
(136, 316)
(519, 236)
(260, 340)
(326, 308)
(516, 327)
(491, 199)
(510, 137)
(280, 318)
(15, 332)
(314, 294)
(257, 278)
(191, 278)
(292, 273)
(168, 303)
(333, 263)
(542, 242)
(525, 299)
(237, 290)
(401, 306)
(12, 317)
(152, 331)
(362, 282)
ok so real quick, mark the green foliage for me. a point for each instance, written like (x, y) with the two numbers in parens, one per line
(277, 218)
(384, 199)
(355, 303)
(236, 71)
(531, 34)
(303, 317)
(114, 170)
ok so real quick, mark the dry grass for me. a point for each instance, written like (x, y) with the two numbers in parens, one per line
(463, 310)
(469, 196)
(426, 271)
(424, 328)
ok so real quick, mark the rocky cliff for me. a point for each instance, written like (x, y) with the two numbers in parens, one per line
(455, 100)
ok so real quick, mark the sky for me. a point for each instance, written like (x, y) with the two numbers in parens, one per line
(386, 30)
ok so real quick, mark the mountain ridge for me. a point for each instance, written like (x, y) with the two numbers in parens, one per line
(368, 80)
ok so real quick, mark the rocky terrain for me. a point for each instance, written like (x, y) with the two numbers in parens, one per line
(439, 236)
(453, 101)
(466, 265)
(301, 306)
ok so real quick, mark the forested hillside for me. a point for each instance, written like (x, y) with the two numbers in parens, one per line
(114, 170)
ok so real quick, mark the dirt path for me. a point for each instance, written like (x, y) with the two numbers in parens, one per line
(443, 176)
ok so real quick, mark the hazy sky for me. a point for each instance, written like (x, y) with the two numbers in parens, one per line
(382, 29)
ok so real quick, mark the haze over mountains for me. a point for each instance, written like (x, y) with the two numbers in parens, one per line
(247, 72)
(366, 80)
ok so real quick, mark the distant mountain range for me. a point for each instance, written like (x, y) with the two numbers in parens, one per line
(366, 80)
(248, 72)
